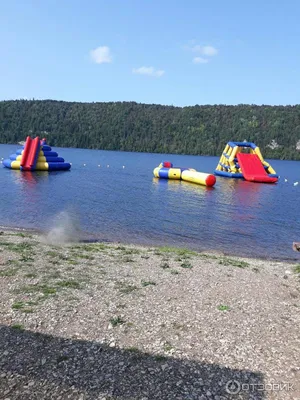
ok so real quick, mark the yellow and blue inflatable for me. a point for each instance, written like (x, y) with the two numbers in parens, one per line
(36, 155)
(244, 160)
(166, 170)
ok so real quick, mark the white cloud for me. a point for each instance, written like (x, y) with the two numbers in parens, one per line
(200, 60)
(205, 50)
(209, 51)
(150, 71)
(101, 55)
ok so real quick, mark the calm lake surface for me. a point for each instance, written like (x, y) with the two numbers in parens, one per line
(131, 206)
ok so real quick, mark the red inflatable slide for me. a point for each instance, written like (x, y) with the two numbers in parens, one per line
(253, 169)
(30, 153)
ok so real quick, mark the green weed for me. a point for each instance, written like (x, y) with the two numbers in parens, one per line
(234, 263)
(148, 283)
(223, 307)
(116, 321)
(186, 265)
(18, 327)
(297, 269)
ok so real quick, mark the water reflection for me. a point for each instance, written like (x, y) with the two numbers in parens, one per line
(28, 178)
(30, 199)
(179, 185)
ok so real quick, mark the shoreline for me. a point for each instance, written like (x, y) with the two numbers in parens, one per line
(114, 321)
(94, 238)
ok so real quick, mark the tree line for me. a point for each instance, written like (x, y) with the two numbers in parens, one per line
(130, 126)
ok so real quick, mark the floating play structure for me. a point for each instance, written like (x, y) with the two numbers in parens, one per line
(244, 160)
(36, 155)
(166, 170)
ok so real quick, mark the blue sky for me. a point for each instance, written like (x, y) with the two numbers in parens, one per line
(149, 51)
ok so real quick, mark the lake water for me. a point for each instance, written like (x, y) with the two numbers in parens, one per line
(131, 206)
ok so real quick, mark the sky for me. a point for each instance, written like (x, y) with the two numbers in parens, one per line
(176, 52)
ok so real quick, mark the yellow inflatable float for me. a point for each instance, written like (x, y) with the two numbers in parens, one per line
(166, 170)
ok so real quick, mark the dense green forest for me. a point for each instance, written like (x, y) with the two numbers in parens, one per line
(129, 126)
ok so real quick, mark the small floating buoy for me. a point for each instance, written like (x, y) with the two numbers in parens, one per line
(99, 165)
(70, 163)
(107, 166)
(84, 165)
(296, 183)
(123, 166)
(285, 180)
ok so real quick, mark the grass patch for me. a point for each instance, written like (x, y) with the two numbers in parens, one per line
(168, 347)
(126, 288)
(234, 263)
(160, 358)
(18, 247)
(83, 256)
(148, 283)
(20, 234)
(116, 321)
(13, 262)
(133, 349)
(297, 269)
(223, 307)
(30, 275)
(26, 258)
(186, 265)
(27, 310)
(18, 305)
(128, 250)
(39, 288)
(177, 250)
(51, 253)
(18, 327)
(92, 247)
(69, 284)
(128, 259)
(208, 256)
(72, 262)
(174, 272)
(23, 306)
(9, 272)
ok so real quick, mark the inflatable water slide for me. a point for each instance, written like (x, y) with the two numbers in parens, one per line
(36, 155)
(244, 160)
(166, 170)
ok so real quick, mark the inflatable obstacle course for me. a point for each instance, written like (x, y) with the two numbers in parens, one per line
(166, 171)
(36, 155)
(244, 160)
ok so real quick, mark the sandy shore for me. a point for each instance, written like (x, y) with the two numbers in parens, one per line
(107, 321)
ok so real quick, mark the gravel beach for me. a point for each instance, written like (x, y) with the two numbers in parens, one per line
(112, 321)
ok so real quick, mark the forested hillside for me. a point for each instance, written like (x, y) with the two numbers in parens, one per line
(129, 126)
